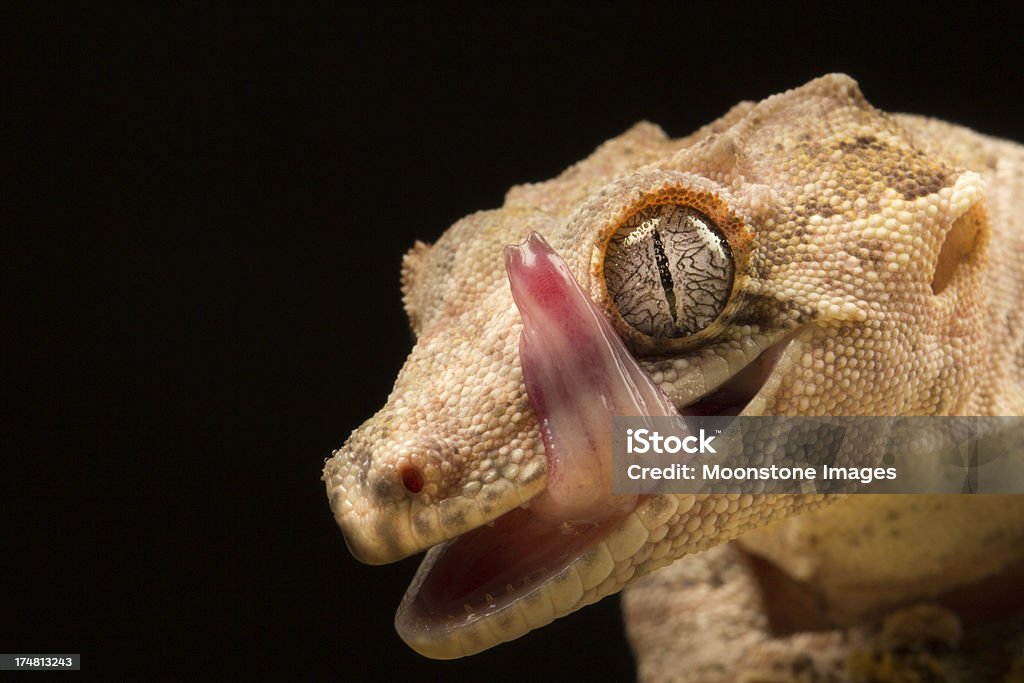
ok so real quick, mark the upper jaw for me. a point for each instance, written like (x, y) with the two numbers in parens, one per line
(381, 527)
(382, 524)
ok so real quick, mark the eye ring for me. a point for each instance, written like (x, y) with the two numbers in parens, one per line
(669, 271)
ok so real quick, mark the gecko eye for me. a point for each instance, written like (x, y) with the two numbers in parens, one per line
(669, 271)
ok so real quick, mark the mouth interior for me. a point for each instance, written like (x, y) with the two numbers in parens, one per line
(736, 392)
(486, 569)
(578, 375)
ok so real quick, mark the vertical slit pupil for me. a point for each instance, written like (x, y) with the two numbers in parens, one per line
(664, 273)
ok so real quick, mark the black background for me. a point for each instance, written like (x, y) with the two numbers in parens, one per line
(205, 220)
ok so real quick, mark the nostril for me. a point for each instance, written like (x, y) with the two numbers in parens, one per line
(412, 479)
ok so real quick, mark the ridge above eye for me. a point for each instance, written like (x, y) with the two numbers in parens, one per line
(669, 271)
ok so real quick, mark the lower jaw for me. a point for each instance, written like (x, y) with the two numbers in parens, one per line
(496, 560)
(451, 610)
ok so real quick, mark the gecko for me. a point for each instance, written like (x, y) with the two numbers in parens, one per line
(807, 254)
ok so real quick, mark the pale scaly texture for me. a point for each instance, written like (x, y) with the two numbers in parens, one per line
(886, 252)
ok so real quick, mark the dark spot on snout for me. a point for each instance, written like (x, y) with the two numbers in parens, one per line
(422, 524)
(383, 489)
(453, 518)
(336, 499)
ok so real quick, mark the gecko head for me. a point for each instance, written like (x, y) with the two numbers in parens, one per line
(764, 267)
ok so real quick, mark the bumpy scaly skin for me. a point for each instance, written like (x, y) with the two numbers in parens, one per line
(867, 555)
(837, 215)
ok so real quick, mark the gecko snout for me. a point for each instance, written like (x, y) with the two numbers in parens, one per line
(371, 518)
(398, 497)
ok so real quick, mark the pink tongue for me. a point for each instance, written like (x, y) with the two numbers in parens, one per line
(578, 374)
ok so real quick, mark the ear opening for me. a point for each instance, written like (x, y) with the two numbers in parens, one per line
(962, 241)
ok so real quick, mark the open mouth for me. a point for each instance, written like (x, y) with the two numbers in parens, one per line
(735, 394)
(575, 542)
(499, 581)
